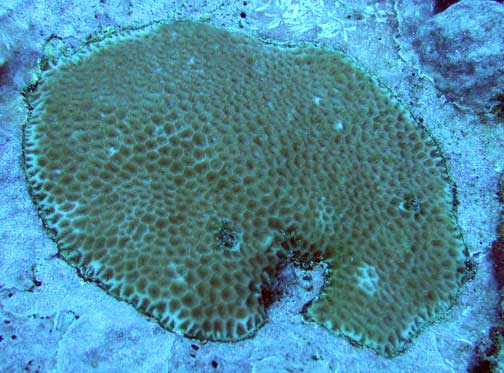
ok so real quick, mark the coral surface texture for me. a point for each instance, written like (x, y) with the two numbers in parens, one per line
(177, 166)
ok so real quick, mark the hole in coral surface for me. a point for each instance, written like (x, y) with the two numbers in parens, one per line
(293, 287)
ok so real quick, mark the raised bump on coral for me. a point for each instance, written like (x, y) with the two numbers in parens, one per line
(176, 166)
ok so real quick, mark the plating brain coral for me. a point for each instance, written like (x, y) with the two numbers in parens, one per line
(177, 166)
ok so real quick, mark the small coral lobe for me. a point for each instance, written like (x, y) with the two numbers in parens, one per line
(179, 180)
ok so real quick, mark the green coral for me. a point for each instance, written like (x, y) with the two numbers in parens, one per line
(177, 167)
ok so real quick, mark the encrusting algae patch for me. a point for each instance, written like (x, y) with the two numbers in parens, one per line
(177, 166)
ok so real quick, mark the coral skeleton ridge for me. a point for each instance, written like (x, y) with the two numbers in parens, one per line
(177, 166)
